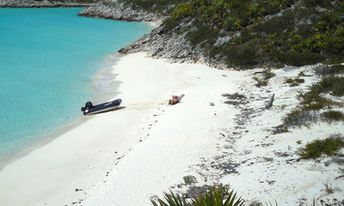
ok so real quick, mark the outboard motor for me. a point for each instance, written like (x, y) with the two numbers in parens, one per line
(87, 106)
(117, 102)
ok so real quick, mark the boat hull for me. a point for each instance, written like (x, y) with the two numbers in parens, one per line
(104, 107)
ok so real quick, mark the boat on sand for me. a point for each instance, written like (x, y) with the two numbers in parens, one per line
(90, 109)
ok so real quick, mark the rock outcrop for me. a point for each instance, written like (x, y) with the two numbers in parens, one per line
(118, 11)
(159, 43)
(43, 3)
(173, 45)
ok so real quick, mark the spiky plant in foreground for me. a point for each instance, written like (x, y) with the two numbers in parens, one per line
(171, 199)
(216, 196)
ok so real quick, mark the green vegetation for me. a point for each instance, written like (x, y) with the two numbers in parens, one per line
(189, 180)
(263, 80)
(313, 101)
(163, 7)
(333, 116)
(77, 1)
(329, 146)
(263, 32)
(326, 70)
(293, 82)
(251, 33)
(297, 118)
(217, 196)
(334, 85)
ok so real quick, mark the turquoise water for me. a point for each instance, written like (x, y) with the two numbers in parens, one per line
(47, 60)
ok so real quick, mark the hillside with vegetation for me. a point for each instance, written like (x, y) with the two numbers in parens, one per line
(161, 7)
(251, 33)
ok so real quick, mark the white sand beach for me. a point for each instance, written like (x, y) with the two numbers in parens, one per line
(125, 157)
(83, 157)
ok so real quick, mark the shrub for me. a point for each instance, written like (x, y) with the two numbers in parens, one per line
(333, 116)
(188, 180)
(157, 6)
(326, 70)
(299, 117)
(329, 146)
(297, 58)
(243, 56)
(218, 195)
(332, 84)
(293, 82)
(267, 74)
(181, 11)
(312, 101)
(260, 82)
(279, 33)
(171, 199)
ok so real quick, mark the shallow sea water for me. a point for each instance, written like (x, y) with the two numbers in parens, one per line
(48, 62)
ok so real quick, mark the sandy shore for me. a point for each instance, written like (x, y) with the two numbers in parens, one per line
(123, 158)
(83, 157)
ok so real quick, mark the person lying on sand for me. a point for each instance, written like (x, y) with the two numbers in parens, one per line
(175, 99)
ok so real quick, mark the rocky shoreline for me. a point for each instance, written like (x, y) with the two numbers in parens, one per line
(40, 4)
(172, 45)
(158, 43)
(118, 11)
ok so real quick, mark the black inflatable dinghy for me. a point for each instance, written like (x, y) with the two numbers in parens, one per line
(90, 109)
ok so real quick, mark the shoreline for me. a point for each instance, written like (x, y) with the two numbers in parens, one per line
(149, 147)
(48, 6)
(47, 137)
(90, 149)
(44, 138)
(40, 141)
(49, 142)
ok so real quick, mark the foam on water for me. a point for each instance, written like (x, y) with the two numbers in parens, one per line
(48, 59)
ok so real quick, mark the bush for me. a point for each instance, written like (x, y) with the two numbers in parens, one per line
(299, 36)
(293, 82)
(218, 195)
(157, 6)
(333, 116)
(263, 80)
(332, 84)
(312, 101)
(329, 146)
(182, 10)
(188, 180)
(299, 117)
(171, 199)
(329, 70)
